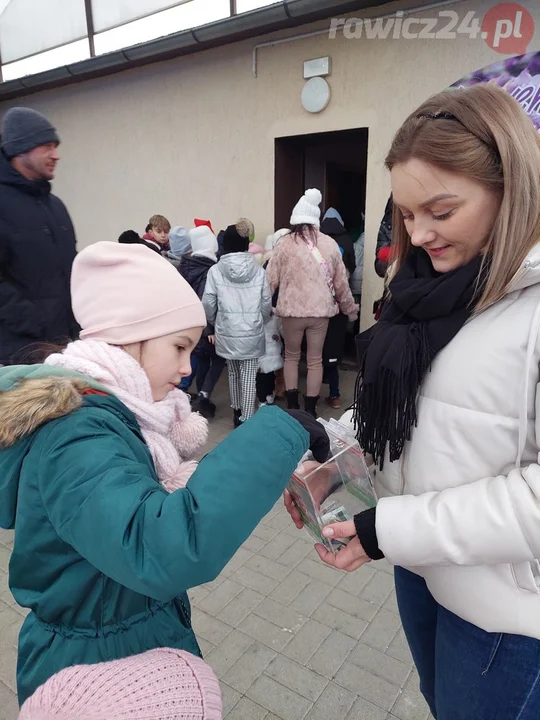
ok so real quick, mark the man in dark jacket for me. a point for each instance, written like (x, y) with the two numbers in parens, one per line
(37, 240)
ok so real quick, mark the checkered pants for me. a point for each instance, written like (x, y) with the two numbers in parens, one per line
(243, 386)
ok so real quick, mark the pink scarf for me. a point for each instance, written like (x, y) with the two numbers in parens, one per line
(172, 432)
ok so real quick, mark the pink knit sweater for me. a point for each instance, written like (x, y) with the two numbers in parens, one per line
(303, 290)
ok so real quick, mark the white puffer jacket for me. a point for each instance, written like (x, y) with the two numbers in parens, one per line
(272, 359)
(462, 505)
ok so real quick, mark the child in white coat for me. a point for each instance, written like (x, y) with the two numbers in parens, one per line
(270, 363)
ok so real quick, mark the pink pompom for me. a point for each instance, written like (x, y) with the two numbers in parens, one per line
(191, 435)
(256, 249)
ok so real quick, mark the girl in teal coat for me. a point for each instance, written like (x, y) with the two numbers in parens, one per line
(113, 519)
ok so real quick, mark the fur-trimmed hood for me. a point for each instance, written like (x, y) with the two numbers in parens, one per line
(33, 402)
(31, 396)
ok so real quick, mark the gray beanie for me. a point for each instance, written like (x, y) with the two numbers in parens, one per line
(24, 129)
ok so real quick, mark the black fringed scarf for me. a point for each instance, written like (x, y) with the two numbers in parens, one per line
(425, 311)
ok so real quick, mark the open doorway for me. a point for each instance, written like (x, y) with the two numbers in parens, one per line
(336, 164)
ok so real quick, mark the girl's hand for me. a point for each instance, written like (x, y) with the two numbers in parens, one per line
(319, 444)
(293, 511)
(350, 557)
(212, 339)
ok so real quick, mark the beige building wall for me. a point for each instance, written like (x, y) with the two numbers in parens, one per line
(194, 137)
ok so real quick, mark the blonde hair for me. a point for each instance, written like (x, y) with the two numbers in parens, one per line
(159, 223)
(483, 133)
(245, 228)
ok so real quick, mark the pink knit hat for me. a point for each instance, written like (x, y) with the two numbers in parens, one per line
(125, 294)
(158, 685)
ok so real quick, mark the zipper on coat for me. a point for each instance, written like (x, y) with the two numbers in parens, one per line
(186, 613)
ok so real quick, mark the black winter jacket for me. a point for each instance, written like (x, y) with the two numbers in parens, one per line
(334, 344)
(194, 269)
(333, 228)
(37, 249)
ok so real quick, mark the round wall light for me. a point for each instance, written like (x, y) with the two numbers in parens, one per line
(315, 95)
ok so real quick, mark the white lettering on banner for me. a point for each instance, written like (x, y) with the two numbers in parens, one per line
(528, 96)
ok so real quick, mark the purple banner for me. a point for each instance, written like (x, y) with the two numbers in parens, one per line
(519, 76)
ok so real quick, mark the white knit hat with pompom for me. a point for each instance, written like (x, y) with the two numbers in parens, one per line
(307, 210)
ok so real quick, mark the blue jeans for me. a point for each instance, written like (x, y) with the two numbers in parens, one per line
(331, 374)
(209, 368)
(465, 672)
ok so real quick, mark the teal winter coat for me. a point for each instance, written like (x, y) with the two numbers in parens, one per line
(103, 556)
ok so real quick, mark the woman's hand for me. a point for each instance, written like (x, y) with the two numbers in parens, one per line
(350, 557)
(293, 511)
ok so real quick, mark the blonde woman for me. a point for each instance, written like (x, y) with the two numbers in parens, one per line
(448, 404)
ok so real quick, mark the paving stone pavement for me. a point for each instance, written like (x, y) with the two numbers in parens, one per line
(288, 637)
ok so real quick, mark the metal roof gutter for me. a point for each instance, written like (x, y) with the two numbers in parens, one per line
(289, 14)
